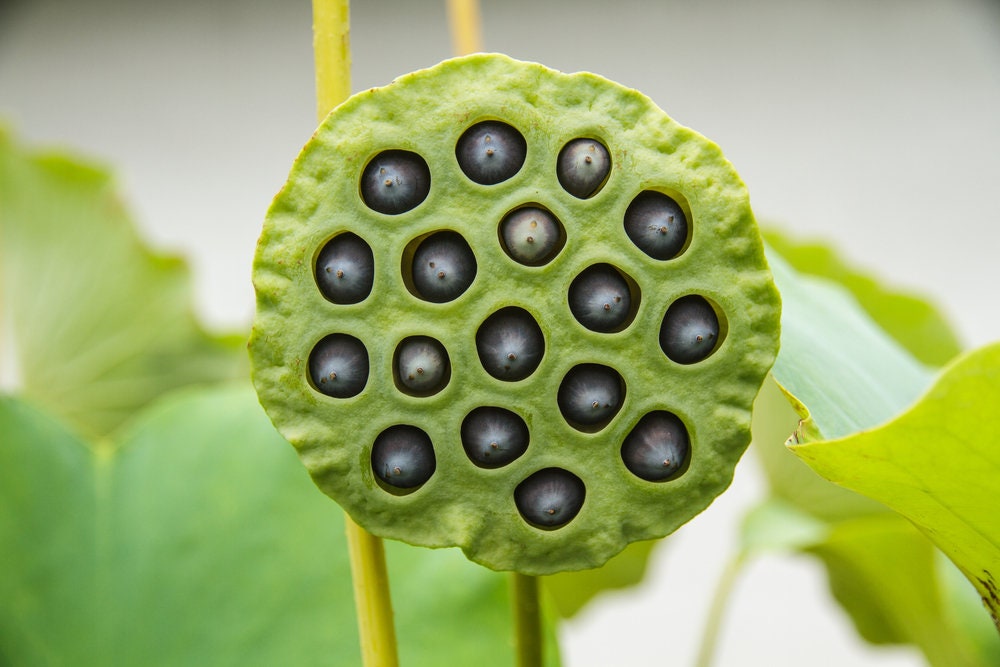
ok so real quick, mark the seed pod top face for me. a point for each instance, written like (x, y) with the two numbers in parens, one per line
(595, 504)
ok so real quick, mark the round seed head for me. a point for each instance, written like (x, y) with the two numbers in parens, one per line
(403, 457)
(491, 152)
(422, 366)
(493, 437)
(656, 224)
(590, 395)
(550, 498)
(599, 298)
(345, 269)
(583, 166)
(338, 366)
(690, 330)
(395, 182)
(531, 235)
(657, 448)
(443, 267)
(510, 344)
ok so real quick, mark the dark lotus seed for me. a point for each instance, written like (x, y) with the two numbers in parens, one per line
(443, 267)
(531, 235)
(657, 448)
(590, 395)
(656, 224)
(690, 330)
(491, 152)
(338, 366)
(599, 298)
(550, 498)
(493, 437)
(510, 344)
(395, 182)
(403, 456)
(583, 166)
(345, 269)
(422, 365)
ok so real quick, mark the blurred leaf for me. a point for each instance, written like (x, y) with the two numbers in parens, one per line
(572, 591)
(101, 325)
(938, 464)
(201, 540)
(908, 318)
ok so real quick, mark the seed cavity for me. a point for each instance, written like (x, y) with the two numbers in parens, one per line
(395, 181)
(601, 299)
(690, 331)
(421, 366)
(531, 235)
(657, 225)
(338, 366)
(510, 344)
(590, 395)
(491, 152)
(442, 267)
(658, 448)
(345, 269)
(550, 498)
(583, 167)
(493, 437)
(403, 458)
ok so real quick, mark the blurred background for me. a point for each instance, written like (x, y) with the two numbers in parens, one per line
(871, 125)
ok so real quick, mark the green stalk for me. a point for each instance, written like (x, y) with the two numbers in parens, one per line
(720, 599)
(332, 52)
(527, 619)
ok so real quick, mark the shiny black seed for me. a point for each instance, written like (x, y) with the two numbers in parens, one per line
(583, 166)
(395, 182)
(493, 437)
(657, 448)
(403, 456)
(345, 269)
(443, 267)
(690, 330)
(550, 498)
(338, 366)
(491, 152)
(599, 298)
(531, 235)
(656, 224)
(590, 395)
(422, 365)
(510, 344)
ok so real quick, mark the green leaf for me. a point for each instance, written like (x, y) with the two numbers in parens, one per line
(101, 324)
(938, 464)
(200, 539)
(909, 319)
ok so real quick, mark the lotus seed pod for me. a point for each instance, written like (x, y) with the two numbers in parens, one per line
(338, 366)
(443, 267)
(657, 448)
(493, 437)
(656, 224)
(590, 395)
(395, 182)
(422, 366)
(565, 487)
(600, 300)
(583, 166)
(531, 235)
(690, 331)
(510, 344)
(345, 269)
(491, 152)
(550, 498)
(403, 457)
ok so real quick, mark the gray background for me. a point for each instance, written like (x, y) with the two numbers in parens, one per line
(869, 124)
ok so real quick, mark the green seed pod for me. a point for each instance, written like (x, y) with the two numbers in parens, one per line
(584, 488)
